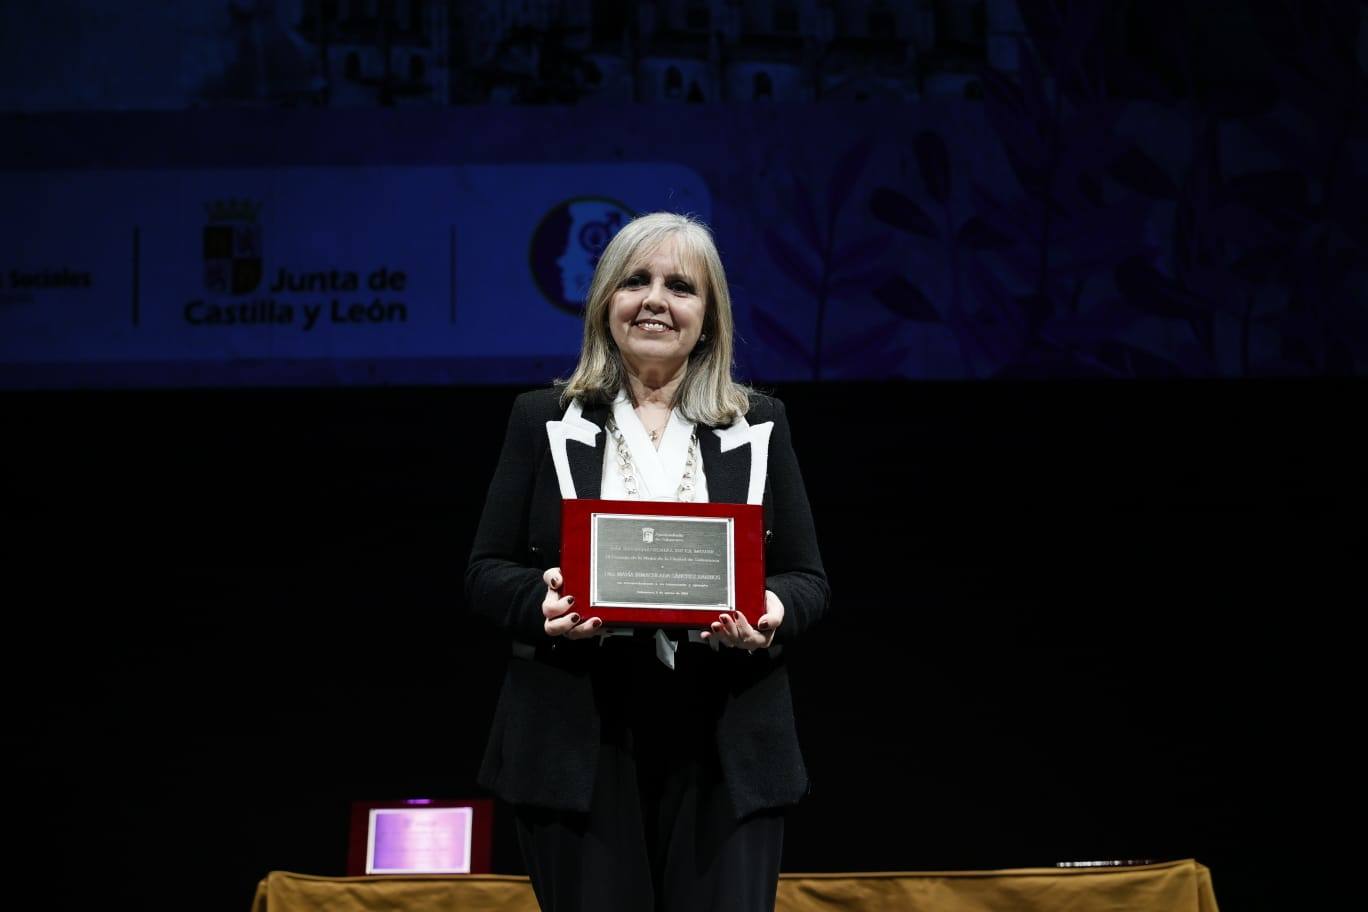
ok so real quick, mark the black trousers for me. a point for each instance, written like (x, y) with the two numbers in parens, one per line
(660, 833)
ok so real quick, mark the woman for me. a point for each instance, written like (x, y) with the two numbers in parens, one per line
(646, 770)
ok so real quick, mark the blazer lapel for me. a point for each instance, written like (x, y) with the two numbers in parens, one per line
(574, 442)
(727, 461)
(586, 460)
(736, 459)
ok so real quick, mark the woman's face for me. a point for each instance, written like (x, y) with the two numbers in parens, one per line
(656, 313)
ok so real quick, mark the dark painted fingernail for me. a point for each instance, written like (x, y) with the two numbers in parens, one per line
(598, 623)
(763, 625)
(574, 618)
(569, 600)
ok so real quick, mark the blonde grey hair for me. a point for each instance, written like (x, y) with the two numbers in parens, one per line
(707, 394)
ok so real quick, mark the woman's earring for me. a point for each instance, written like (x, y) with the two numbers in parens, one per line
(703, 337)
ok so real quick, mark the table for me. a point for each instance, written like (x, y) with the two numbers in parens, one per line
(1174, 886)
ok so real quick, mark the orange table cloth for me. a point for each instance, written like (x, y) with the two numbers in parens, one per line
(1175, 886)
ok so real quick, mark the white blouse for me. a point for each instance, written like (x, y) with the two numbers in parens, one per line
(658, 475)
(658, 471)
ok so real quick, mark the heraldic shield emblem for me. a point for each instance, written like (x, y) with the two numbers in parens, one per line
(232, 247)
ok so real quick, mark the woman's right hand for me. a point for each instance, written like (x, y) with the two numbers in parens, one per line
(560, 620)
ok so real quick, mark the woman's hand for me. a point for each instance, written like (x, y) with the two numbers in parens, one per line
(560, 620)
(739, 634)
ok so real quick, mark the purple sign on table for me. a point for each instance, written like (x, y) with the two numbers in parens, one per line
(419, 840)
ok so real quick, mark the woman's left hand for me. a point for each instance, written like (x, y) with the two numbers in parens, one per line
(738, 633)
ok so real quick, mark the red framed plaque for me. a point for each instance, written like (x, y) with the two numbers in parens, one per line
(420, 836)
(663, 564)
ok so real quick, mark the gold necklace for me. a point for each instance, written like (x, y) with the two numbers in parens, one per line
(655, 435)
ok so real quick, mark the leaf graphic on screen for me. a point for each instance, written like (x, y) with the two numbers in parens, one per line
(898, 210)
(779, 338)
(843, 179)
(793, 262)
(934, 162)
(907, 301)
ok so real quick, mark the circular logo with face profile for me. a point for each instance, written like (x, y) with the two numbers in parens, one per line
(567, 245)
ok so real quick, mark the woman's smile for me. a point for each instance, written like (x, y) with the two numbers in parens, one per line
(656, 314)
(652, 326)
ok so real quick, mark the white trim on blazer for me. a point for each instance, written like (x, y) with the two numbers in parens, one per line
(574, 426)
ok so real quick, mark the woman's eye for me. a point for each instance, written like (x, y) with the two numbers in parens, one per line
(681, 288)
(633, 281)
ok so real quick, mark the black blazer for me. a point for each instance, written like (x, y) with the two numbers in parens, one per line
(543, 746)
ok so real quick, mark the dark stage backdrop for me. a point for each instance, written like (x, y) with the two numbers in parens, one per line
(1070, 621)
